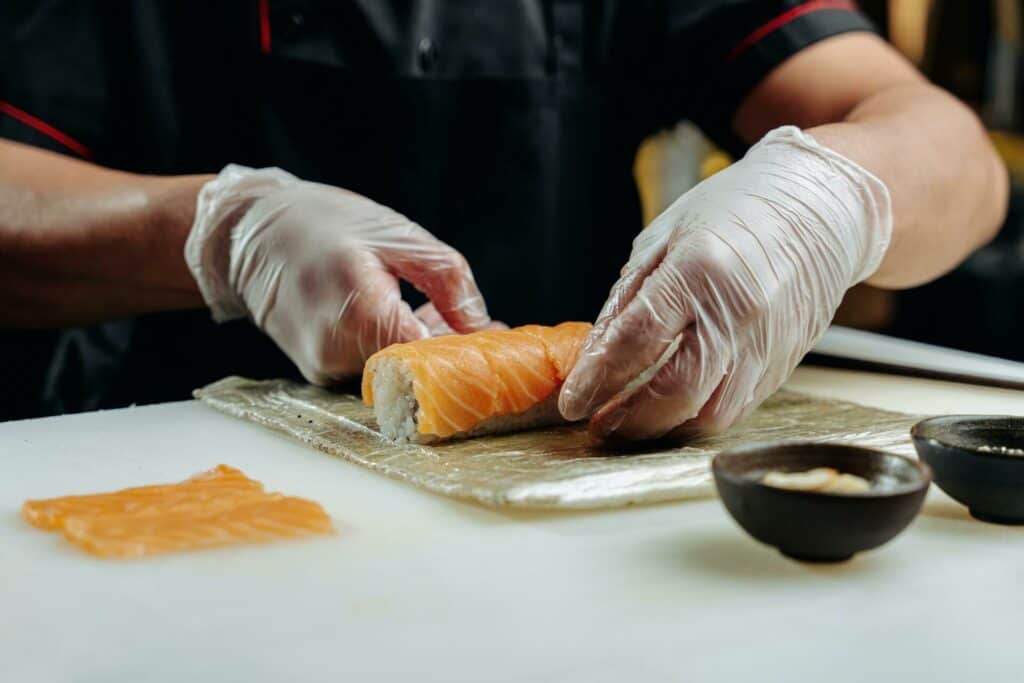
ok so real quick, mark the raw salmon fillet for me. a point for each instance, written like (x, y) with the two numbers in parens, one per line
(267, 518)
(204, 488)
(489, 381)
(215, 508)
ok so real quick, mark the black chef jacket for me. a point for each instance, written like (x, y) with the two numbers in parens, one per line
(507, 128)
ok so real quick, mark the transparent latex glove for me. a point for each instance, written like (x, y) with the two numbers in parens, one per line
(437, 326)
(317, 267)
(727, 290)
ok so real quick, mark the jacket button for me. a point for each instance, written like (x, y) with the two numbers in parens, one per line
(289, 24)
(427, 55)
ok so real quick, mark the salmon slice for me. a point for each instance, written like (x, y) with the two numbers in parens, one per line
(215, 508)
(260, 520)
(459, 382)
(562, 343)
(219, 483)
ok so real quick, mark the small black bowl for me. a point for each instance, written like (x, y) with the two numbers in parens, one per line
(979, 461)
(820, 527)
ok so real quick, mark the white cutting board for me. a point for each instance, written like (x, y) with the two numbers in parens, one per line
(419, 587)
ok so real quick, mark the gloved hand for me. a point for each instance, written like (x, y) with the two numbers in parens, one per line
(727, 290)
(436, 325)
(317, 267)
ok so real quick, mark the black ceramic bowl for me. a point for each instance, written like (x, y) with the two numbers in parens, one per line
(979, 461)
(820, 527)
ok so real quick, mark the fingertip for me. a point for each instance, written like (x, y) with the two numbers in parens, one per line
(416, 329)
(605, 425)
(615, 419)
(438, 325)
(428, 314)
(571, 404)
(316, 378)
(565, 405)
(465, 309)
(405, 327)
(587, 385)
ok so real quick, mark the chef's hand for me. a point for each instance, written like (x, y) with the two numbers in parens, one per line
(727, 290)
(317, 267)
(438, 327)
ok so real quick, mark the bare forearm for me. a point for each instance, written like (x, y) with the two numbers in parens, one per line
(856, 95)
(948, 187)
(80, 243)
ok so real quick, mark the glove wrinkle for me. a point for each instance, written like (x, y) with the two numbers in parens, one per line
(317, 267)
(753, 264)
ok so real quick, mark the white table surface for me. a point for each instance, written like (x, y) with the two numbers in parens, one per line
(421, 588)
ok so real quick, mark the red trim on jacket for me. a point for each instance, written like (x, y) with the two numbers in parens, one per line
(46, 129)
(783, 19)
(265, 26)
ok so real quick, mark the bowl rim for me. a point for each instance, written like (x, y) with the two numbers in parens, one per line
(902, 489)
(973, 451)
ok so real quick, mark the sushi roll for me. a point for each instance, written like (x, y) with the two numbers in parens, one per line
(456, 386)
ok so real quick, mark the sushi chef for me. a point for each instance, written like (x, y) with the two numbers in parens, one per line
(265, 187)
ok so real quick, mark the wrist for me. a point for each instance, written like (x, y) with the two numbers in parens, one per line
(857, 203)
(171, 214)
